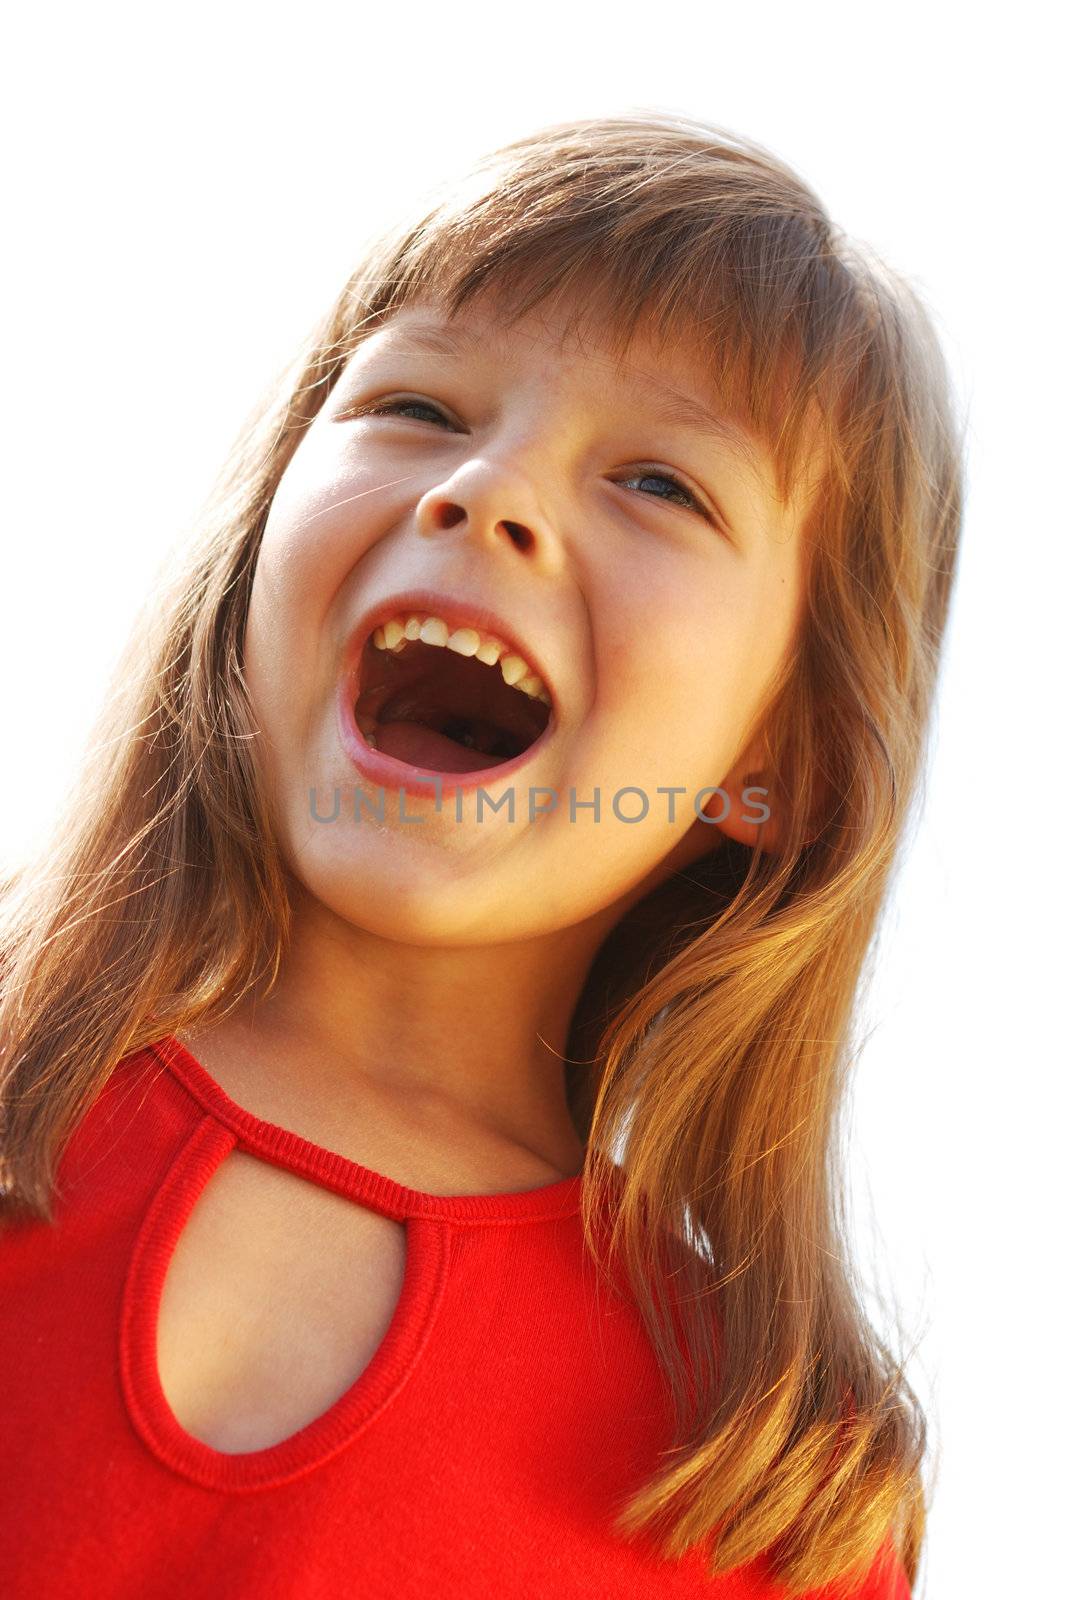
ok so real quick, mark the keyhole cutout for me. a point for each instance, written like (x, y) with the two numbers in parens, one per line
(276, 1298)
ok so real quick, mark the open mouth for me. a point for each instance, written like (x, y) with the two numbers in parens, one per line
(435, 708)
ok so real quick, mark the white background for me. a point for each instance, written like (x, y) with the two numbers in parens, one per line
(187, 191)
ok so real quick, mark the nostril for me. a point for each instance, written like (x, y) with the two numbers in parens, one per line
(520, 535)
(449, 516)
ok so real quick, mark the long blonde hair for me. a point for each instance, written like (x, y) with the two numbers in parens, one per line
(715, 1035)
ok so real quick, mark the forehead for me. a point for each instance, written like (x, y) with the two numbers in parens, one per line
(565, 331)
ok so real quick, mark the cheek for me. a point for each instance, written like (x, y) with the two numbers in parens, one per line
(267, 661)
(325, 513)
(315, 534)
(679, 664)
(685, 668)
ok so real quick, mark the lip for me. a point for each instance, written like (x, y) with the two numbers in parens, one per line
(388, 772)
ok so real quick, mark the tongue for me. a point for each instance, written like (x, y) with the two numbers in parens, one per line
(423, 747)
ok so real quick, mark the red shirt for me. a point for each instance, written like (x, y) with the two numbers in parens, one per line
(511, 1407)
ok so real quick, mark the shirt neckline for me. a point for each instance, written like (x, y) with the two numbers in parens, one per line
(558, 1199)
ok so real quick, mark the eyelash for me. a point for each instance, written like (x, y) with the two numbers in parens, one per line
(394, 407)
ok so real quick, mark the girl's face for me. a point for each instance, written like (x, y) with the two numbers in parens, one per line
(637, 560)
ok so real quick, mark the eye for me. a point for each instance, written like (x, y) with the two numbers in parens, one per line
(395, 408)
(657, 475)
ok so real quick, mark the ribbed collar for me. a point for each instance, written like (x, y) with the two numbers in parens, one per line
(300, 1155)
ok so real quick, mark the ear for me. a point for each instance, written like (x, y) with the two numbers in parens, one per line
(744, 808)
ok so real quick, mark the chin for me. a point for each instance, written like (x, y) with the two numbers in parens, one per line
(414, 893)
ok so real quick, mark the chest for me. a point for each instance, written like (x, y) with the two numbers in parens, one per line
(277, 1295)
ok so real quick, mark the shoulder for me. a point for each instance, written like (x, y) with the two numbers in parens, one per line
(127, 1137)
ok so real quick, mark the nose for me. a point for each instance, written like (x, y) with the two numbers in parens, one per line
(487, 502)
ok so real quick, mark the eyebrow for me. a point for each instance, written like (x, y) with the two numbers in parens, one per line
(668, 404)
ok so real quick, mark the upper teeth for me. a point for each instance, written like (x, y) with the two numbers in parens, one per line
(396, 634)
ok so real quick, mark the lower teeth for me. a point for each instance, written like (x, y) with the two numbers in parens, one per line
(461, 733)
(458, 731)
(366, 727)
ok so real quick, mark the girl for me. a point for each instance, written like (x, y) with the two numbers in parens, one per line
(424, 1042)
